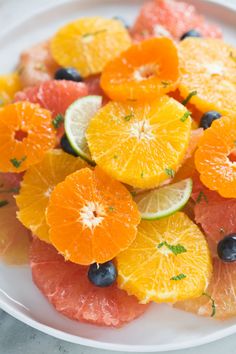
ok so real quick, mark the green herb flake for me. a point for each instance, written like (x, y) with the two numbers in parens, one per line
(170, 172)
(185, 116)
(201, 196)
(165, 83)
(128, 117)
(111, 208)
(11, 190)
(213, 305)
(142, 174)
(17, 163)
(57, 121)
(188, 98)
(176, 249)
(133, 193)
(3, 203)
(232, 56)
(179, 277)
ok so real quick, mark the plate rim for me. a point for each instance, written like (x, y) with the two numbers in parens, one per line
(76, 339)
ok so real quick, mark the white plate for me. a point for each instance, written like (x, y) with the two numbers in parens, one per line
(161, 328)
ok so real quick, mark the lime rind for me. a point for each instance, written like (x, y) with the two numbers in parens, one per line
(77, 119)
(162, 202)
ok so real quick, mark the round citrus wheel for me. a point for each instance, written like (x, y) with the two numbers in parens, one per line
(208, 66)
(87, 44)
(68, 289)
(91, 217)
(26, 133)
(9, 85)
(145, 71)
(140, 144)
(213, 157)
(37, 185)
(169, 261)
(218, 300)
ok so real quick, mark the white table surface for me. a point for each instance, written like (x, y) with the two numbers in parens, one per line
(18, 338)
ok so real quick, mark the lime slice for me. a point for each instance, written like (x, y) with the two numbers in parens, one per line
(158, 203)
(77, 119)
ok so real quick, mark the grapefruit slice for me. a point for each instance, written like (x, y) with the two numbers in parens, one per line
(219, 299)
(68, 289)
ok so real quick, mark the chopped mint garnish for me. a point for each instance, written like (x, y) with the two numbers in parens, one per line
(176, 249)
(188, 98)
(142, 174)
(200, 196)
(111, 208)
(179, 277)
(165, 84)
(128, 117)
(133, 193)
(16, 163)
(57, 121)
(11, 190)
(213, 305)
(185, 116)
(3, 203)
(170, 172)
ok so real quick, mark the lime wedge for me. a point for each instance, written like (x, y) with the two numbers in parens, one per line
(77, 119)
(158, 203)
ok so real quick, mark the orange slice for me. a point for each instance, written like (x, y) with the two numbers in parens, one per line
(209, 67)
(140, 144)
(168, 261)
(26, 133)
(9, 85)
(87, 44)
(145, 71)
(213, 157)
(91, 217)
(38, 183)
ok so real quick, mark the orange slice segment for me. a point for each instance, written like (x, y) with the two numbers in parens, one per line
(91, 217)
(209, 67)
(87, 44)
(168, 261)
(140, 144)
(9, 85)
(26, 133)
(38, 183)
(213, 157)
(145, 71)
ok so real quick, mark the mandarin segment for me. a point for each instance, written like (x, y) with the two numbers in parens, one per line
(212, 158)
(87, 44)
(168, 261)
(92, 217)
(209, 67)
(140, 144)
(145, 71)
(9, 85)
(26, 133)
(37, 186)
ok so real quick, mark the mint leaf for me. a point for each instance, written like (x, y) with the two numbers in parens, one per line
(170, 172)
(179, 277)
(201, 196)
(165, 83)
(3, 203)
(16, 163)
(188, 98)
(57, 121)
(213, 305)
(176, 249)
(185, 116)
(128, 117)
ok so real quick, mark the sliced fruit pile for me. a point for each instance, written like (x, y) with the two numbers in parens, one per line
(124, 197)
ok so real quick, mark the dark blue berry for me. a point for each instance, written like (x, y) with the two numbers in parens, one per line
(191, 33)
(102, 275)
(208, 118)
(65, 145)
(227, 248)
(118, 18)
(69, 74)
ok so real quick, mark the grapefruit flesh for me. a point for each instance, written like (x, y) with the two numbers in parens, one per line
(68, 289)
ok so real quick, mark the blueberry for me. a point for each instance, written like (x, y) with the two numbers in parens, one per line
(70, 74)
(65, 145)
(191, 33)
(208, 118)
(227, 248)
(102, 275)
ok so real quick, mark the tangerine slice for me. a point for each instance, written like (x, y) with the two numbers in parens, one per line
(212, 158)
(91, 217)
(208, 66)
(87, 44)
(68, 289)
(9, 85)
(144, 71)
(219, 300)
(140, 144)
(26, 133)
(38, 183)
(168, 261)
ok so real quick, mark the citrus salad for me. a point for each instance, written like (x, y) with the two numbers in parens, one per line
(118, 166)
